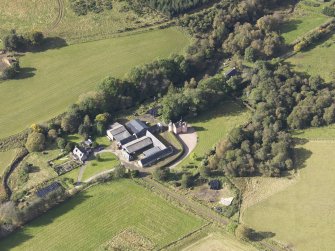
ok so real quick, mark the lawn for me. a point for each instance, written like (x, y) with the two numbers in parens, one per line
(108, 161)
(302, 20)
(43, 15)
(214, 125)
(317, 61)
(94, 217)
(55, 78)
(302, 214)
(5, 159)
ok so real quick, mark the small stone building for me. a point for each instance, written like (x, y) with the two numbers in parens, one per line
(179, 127)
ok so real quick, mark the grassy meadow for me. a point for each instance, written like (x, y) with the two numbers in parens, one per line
(303, 19)
(302, 215)
(60, 21)
(120, 205)
(317, 60)
(214, 125)
(54, 79)
(5, 159)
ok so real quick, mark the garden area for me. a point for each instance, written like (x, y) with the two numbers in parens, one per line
(123, 208)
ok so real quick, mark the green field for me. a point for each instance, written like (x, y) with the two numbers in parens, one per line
(327, 132)
(60, 21)
(5, 159)
(303, 214)
(215, 125)
(317, 61)
(61, 75)
(94, 217)
(302, 20)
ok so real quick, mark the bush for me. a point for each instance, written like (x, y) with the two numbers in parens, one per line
(134, 173)
(161, 173)
(35, 142)
(61, 143)
(12, 71)
(243, 233)
(329, 11)
(119, 172)
(186, 180)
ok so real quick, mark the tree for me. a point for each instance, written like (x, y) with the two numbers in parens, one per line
(250, 54)
(35, 142)
(161, 173)
(61, 143)
(204, 171)
(35, 38)
(119, 172)
(243, 233)
(52, 134)
(186, 180)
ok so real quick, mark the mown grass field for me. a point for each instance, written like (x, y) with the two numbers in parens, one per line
(214, 125)
(43, 15)
(54, 79)
(326, 132)
(302, 214)
(92, 218)
(5, 159)
(304, 19)
(317, 61)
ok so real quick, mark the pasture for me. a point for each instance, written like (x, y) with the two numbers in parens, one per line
(214, 125)
(57, 19)
(318, 60)
(219, 241)
(54, 79)
(302, 215)
(304, 18)
(99, 215)
(5, 159)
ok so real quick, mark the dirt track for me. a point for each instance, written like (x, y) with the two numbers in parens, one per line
(60, 15)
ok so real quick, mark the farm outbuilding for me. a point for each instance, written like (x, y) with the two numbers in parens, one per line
(137, 145)
(137, 127)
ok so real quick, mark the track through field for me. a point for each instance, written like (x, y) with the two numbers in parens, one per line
(60, 15)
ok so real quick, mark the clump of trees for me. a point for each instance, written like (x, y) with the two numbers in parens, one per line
(175, 7)
(18, 42)
(83, 7)
(35, 142)
(329, 11)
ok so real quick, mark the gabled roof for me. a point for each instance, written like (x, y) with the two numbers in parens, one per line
(117, 129)
(151, 151)
(136, 126)
(121, 136)
(155, 141)
(156, 156)
(138, 144)
(82, 149)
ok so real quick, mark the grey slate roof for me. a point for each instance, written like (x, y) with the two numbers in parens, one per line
(155, 141)
(121, 136)
(151, 151)
(138, 144)
(136, 126)
(117, 129)
(147, 161)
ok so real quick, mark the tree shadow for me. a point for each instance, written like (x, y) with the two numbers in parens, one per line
(199, 128)
(20, 236)
(51, 43)
(301, 155)
(290, 25)
(34, 169)
(26, 72)
(260, 236)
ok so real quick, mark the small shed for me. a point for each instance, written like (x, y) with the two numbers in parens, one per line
(214, 185)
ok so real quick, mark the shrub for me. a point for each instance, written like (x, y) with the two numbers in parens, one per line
(61, 143)
(35, 142)
(186, 180)
(134, 173)
(161, 173)
(329, 11)
(243, 233)
(119, 172)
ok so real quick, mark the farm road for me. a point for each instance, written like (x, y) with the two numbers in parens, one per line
(189, 141)
(60, 15)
